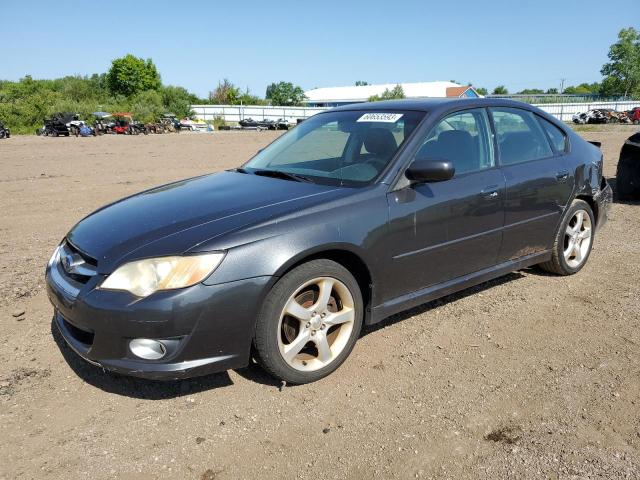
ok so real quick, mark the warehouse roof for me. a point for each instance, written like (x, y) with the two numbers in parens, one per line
(362, 93)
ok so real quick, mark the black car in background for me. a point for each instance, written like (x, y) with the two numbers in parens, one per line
(628, 171)
(4, 131)
(357, 213)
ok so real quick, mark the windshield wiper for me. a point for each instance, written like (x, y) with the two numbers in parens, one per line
(296, 177)
(241, 170)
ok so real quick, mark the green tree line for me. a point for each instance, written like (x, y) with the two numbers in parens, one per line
(132, 84)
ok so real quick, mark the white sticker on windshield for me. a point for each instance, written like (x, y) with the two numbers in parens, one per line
(380, 117)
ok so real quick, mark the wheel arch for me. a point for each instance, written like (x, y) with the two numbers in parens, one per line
(591, 202)
(344, 255)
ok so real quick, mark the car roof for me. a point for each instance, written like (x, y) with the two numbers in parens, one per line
(430, 104)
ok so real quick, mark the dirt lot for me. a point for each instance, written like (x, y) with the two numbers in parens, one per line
(529, 376)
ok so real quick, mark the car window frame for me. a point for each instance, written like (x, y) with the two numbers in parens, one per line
(490, 140)
(553, 147)
(495, 135)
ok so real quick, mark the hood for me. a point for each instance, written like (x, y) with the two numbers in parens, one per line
(171, 219)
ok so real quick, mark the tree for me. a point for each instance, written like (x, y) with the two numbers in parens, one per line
(226, 93)
(178, 100)
(247, 98)
(361, 83)
(500, 90)
(284, 93)
(611, 87)
(130, 75)
(624, 65)
(481, 90)
(395, 93)
(583, 89)
(552, 91)
(531, 91)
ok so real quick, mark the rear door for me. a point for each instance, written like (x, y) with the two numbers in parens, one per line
(538, 180)
(443, 230)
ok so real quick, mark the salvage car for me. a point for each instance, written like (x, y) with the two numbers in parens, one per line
(591, 116)
(356, 214)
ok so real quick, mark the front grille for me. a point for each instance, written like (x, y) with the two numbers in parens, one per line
(89, 260)
(75, 264)
(83, 336)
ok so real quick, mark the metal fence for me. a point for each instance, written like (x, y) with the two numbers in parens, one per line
(235, 113)
(565, 111)
(538, 98)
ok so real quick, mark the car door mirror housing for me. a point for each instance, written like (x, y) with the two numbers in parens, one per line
(430, 170)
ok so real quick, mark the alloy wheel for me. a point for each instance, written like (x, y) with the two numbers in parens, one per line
(577, 238)
(316, 323)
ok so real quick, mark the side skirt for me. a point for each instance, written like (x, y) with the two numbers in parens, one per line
(433, 292)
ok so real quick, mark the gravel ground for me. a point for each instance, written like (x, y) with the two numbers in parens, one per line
(528, 376)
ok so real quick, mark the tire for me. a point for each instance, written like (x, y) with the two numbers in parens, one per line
(2, 134)
(563, 260)
(318, 343)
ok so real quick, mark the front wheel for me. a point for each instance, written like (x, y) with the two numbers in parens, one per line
(309, 322)
(573, 241)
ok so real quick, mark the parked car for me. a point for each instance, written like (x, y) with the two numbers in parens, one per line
(4, 131)
(171, 123)
(58, 124)
(195, 126)
(103, 123)
(634, 115)
(356, 214)
(137, 128)
(591, 116)
(628, 170)
(282, 124)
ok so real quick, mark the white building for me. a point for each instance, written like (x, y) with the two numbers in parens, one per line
(335, 96)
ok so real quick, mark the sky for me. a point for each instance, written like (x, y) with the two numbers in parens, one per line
(520, 44)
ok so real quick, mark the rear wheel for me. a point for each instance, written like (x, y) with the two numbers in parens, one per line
(309, 322)
(573, 241)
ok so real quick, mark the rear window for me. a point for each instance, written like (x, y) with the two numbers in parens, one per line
(520, 137)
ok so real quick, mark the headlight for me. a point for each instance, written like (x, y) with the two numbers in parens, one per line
(144, 277)
(54, 257)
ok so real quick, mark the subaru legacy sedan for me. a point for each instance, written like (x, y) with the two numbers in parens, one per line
(358, 213)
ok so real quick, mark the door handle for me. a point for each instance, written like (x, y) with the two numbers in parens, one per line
(562, 176)
(490, 192)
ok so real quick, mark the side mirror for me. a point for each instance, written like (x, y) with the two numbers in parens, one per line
(430, 170)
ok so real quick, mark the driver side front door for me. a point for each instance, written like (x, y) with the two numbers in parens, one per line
(444, 230)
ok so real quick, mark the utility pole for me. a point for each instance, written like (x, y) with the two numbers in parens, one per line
(562, 85)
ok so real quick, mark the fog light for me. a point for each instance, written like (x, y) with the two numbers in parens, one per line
(147, 348)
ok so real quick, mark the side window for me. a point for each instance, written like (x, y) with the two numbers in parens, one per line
(558, 137)
(462, 138)
(520, 137)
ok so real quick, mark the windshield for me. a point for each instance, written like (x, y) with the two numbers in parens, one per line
(348, 148)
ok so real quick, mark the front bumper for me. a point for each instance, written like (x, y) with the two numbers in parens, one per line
(208, 328)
